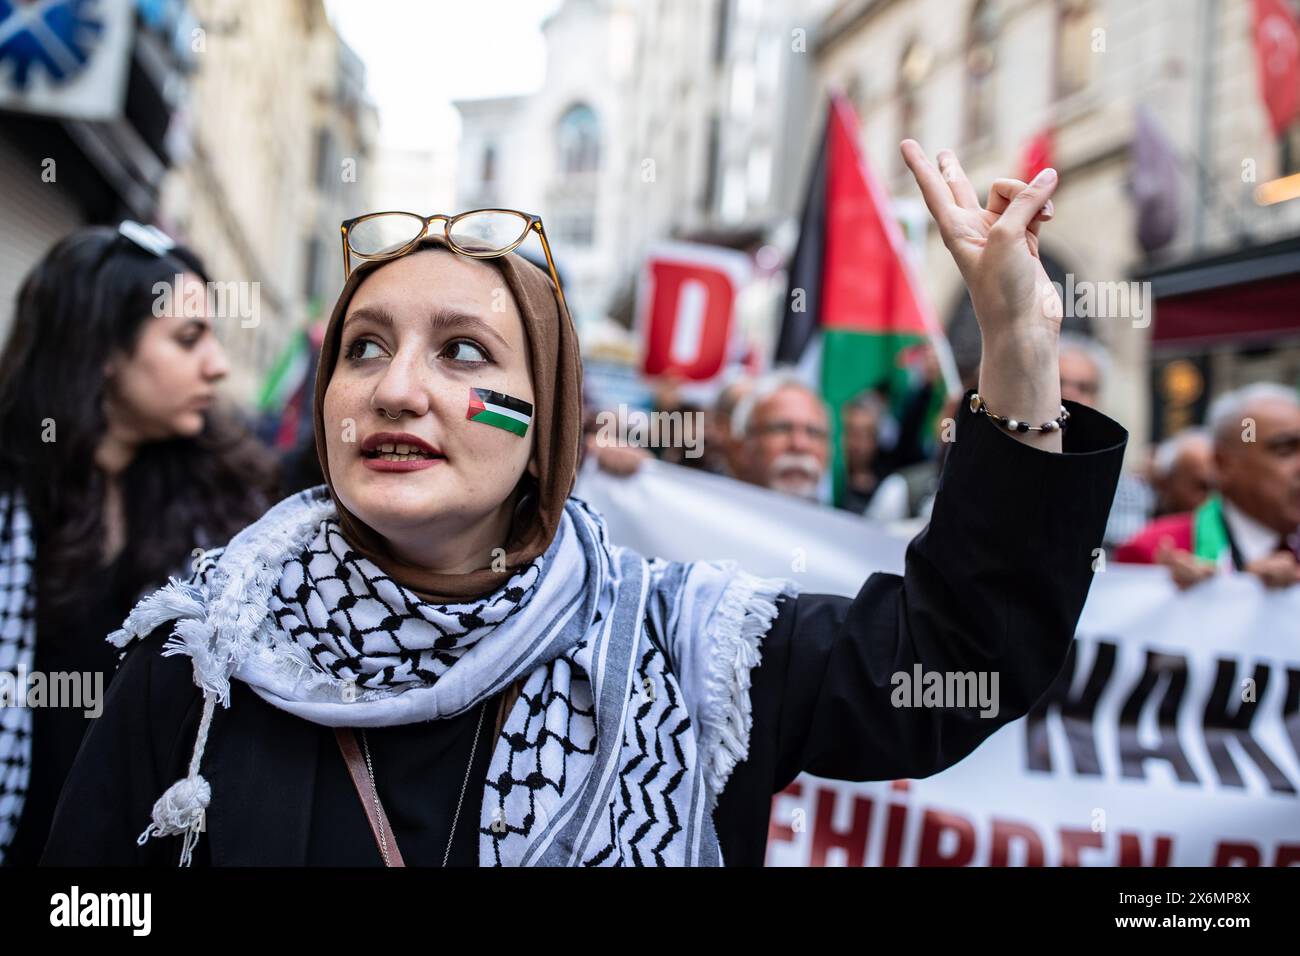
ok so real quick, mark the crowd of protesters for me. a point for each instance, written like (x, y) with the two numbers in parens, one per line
(1220, 496)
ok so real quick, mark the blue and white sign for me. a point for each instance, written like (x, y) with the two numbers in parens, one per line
(65, 58)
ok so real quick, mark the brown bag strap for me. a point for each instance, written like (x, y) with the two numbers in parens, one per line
(356, 763)
(375, 814)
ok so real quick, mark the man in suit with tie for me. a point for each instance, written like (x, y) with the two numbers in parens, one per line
(1252, 523)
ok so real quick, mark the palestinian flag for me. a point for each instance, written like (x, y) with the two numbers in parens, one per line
(855, 314)
(499, 409)
(284, 405)
(287, 375)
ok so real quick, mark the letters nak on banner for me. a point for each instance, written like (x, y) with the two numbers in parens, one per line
(1170, 738)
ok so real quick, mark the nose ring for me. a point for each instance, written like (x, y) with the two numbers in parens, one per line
(392, 417)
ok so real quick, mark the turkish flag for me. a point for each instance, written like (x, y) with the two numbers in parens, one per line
(1277, 46)
(1037, 156)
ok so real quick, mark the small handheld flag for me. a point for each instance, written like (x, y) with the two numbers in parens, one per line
(499, 409)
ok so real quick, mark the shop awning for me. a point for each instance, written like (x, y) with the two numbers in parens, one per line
(1251, 295)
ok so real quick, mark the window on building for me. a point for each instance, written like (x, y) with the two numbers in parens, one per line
(712, 163)
(731, 206)
(981, 59)
(912, 71)
(720, 32)
(856, 90)
(743, 91)
(759, 173)
(1289, 141)
(324, 157)
(488, 169)
(1290, 147)
(578, 137)
(311, 271)
(576, 227)
(1076, 21)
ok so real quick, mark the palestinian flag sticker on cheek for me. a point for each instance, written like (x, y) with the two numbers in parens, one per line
(499, 409)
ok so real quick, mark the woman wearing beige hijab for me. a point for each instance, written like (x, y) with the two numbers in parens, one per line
(439, 657)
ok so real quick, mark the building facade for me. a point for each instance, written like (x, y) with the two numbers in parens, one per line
(661, 119)
(562, 151)
(725, 114)
(280, 136)
(88, 103)
(1005, 81)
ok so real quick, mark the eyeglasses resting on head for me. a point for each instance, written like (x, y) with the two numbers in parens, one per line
(478, 233)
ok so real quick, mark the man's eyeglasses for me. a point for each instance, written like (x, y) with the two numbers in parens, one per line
(787, 429)
(1081, 386)
(479, 234)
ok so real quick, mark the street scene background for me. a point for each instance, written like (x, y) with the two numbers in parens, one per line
(713, 175)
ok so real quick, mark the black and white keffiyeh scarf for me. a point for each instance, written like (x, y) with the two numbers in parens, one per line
(18, 637)
(17, 657)
(634, 705)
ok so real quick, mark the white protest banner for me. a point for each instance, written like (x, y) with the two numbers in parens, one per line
(1171, 738)
(682, 514)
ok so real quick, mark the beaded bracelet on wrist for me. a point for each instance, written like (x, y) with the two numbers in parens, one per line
(1015, 425)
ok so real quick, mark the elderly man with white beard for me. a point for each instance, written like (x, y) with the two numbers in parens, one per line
(786, 435)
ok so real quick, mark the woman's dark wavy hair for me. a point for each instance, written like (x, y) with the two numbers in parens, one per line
(88, 298)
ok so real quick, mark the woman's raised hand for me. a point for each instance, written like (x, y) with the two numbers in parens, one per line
(1019, 311)
(994, 246)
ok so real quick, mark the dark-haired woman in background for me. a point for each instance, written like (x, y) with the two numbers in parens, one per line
(114, 468)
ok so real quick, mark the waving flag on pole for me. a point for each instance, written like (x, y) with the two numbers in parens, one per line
(285, 401)
(853, 303)
(1277, 45)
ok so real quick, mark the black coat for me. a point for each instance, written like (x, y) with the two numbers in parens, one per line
(995, 583)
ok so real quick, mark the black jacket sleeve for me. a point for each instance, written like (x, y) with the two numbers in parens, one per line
(139, 746)
(994, 584)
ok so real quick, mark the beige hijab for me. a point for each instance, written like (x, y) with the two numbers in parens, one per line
(557, 431)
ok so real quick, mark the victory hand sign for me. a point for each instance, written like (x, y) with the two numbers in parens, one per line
(1019, 312)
